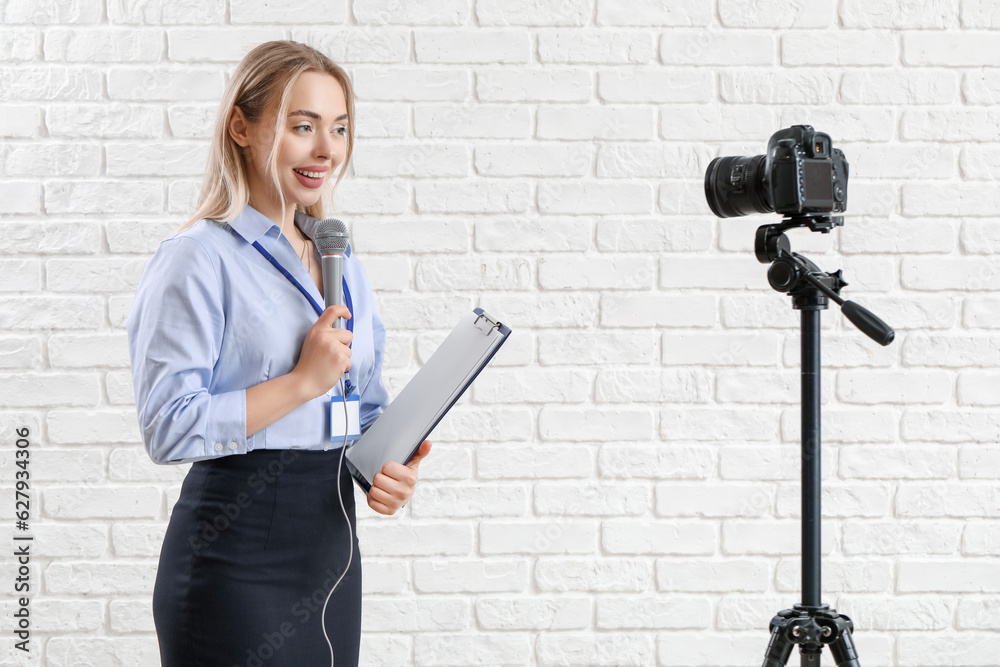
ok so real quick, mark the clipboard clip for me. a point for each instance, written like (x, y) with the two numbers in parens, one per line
(485, 324)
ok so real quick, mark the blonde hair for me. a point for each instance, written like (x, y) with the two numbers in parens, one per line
(266, 74)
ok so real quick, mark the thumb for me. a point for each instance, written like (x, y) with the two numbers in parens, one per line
(328, 317)
(425, 449)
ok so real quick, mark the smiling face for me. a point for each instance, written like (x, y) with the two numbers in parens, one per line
(312, 145)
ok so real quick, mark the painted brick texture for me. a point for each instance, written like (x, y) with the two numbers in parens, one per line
(621, 486)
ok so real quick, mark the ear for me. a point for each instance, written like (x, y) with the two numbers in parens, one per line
(239, 128)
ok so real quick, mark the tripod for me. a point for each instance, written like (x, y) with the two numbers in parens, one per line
(811, 624)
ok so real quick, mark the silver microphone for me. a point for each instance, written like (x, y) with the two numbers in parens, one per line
(331, 241)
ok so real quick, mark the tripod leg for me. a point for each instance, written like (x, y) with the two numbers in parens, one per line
(779, 648)
(844, 652)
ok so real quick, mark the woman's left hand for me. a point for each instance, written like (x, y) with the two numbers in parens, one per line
(393, 487)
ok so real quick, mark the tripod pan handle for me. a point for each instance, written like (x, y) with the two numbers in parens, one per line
(868, 323)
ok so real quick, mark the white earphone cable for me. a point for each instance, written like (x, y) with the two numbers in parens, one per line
(350, 532)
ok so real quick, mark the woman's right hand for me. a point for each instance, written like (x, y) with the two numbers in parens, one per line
(325, 354)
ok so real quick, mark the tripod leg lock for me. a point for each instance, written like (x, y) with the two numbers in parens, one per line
(810, 628)
(841, 639)
(780, 646)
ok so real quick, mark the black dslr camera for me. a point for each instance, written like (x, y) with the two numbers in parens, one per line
(801, 175)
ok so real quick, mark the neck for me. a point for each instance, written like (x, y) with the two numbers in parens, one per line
(272, 210)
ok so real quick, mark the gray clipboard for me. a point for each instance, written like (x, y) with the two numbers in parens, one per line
(398, 432)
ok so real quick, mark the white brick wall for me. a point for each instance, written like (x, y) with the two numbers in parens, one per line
(621, 486)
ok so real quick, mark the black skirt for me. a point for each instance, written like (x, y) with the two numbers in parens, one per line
(253, 547)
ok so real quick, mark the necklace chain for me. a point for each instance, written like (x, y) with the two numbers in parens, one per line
(305, 248)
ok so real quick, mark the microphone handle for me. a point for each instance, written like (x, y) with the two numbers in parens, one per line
(333, 284)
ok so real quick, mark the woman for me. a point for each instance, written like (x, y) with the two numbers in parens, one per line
(237, 370)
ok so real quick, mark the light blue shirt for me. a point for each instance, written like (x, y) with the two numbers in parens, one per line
(212, 317)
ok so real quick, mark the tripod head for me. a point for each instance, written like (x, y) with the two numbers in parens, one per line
(808, 285)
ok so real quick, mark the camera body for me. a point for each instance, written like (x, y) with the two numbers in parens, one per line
(805, 173)
(802, 174)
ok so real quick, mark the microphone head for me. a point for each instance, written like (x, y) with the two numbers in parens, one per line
(332, 237)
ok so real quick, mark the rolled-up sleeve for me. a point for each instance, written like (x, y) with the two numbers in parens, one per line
(175, 332)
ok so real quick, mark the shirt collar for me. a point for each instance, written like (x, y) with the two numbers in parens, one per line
(251, 224)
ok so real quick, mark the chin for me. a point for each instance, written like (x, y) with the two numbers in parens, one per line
(305, 201)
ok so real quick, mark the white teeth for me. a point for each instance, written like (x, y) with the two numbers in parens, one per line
(310, 174)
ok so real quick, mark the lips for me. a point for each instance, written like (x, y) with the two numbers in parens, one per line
(309, 178)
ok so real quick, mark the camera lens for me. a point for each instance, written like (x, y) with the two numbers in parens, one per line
(734, 186)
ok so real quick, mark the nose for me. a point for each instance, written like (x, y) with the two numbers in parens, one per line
(326, 146)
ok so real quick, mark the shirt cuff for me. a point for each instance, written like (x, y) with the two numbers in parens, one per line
(227, 425)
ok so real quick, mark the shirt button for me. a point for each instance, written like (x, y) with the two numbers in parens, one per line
(218, 446)
(233, 445)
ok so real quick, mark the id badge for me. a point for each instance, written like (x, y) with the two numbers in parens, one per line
(337, 423)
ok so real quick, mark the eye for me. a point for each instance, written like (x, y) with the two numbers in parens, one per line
(302, 127)
(342, 131)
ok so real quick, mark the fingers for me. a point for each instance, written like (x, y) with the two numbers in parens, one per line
(333, 344)
(386, 496)
(394, 485)
(323, 328)
(343, 335)
(331, 314)
(326, 353)
(380, 507)
(396, 479)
